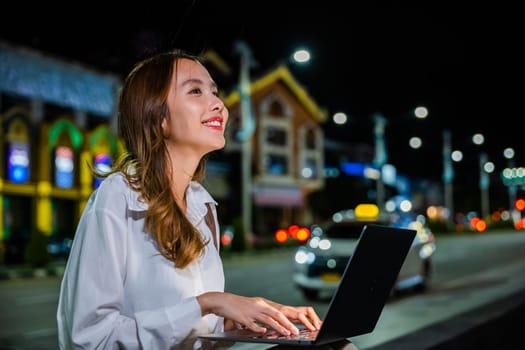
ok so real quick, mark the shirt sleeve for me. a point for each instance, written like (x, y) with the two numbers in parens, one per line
(90, 306)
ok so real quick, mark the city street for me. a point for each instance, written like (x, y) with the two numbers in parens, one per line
(470, 271)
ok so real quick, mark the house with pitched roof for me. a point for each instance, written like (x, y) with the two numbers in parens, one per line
(286, 150)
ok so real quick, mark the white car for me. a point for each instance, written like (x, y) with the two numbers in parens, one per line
(319, 263)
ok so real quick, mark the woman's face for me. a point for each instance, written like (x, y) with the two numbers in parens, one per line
(198, 117)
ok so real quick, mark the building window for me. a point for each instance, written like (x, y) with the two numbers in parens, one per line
(310, 168)
(310, 140)
(276, 140)
(276, 150)
(311, 153)
(276, 164)
(276, 137)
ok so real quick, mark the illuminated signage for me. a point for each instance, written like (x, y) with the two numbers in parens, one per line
(64, 166)
(18, 163)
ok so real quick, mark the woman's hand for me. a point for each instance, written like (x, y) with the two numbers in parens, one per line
(257, 314)
(299, 314)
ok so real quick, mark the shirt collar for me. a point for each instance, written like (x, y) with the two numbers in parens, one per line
(196, 197)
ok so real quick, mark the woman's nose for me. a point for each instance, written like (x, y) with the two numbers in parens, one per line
(217, 104)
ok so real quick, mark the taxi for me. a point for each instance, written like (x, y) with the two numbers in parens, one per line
(319, 263)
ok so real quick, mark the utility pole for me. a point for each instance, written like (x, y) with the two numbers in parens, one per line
(245, 134)
(380, 157)
(448, 175)
(484, 182)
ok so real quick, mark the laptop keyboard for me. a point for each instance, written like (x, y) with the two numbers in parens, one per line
(304, 334)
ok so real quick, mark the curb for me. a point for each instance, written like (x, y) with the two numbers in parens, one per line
(23, 272)
(57, 269)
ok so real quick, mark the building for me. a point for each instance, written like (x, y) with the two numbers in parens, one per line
(286, 157)
(58, 118)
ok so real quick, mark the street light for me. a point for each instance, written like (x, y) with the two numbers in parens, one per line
(301, 56)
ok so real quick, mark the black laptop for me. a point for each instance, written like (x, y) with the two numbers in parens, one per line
(363, 291)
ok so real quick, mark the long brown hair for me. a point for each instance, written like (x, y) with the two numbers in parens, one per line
(141, 109)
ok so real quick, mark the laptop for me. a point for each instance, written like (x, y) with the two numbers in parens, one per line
(361, 295)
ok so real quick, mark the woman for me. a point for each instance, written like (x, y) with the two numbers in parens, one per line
(144, 271)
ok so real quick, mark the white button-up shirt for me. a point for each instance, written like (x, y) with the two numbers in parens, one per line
(119, 292)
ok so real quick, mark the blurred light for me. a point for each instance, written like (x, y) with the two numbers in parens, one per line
(478, 139)
(421, 218)
(292, 231)
(478, 224)
(372, 173)
(505, 215)
(415, 142)
(457, 156)
(301, 56)
(366, 211)
(304, 257)
(481, 225)
(281, 235)
(508, 153)
(331, 172)
(325, 244)
(337, 217)
(303, 234)
(427, 250)
(513, 176)
(331, 263)
(445, 212)
(520, 204)
(389, 174)
(489, 167)
(316, 230)
(473, 221)
(437, 212)
(314, 242)
(405, 206)
(390, 206)
(227, 238)
(421, 112)
(307, 173)
(340, 118)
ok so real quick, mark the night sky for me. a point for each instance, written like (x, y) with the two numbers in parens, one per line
(464, 63)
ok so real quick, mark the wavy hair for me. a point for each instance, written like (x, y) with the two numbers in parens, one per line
(142, 106)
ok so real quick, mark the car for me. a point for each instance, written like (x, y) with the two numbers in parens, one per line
(320, 261)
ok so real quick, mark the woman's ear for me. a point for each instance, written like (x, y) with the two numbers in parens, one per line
(165, 128)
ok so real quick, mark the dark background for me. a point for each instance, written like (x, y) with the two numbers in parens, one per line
(462, 60)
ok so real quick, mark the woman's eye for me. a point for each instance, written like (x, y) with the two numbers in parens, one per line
(195, 91)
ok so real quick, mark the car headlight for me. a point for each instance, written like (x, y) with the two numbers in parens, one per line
(427, 250)
(325, 244)
(303, 256)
